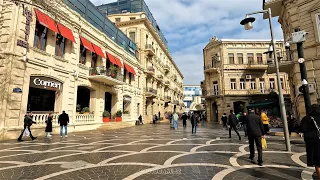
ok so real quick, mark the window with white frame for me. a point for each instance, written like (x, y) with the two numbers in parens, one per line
(282, 84)
(242, 84)
(233, 84)
(272, 83)
(262, 85)
(215, 88)
(253, 84)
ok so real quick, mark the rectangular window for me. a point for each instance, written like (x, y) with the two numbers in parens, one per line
(259, 58)
(272, 83)
(83, 55)
(215, 88)
(130, 78)
(253, 84)
(231, 58)
(282, 83)
(40, 37)
(60, 45)
(240, 58)
(242, 84)
(318, 26)
(262, 86)
(125, 76)
(233, 84)
(132, 36)
(132, 18)
(118, 19)
(250, 58)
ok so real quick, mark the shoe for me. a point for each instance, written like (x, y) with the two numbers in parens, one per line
(253, 161)
(260, 164)
(229, 136)
(239, 138)
(34, 138)
(20, 140)
(66, 136)
(61, 136)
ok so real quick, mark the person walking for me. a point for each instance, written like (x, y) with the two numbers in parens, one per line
(49, 126)
(244, 123)
(159, 115)
(224, 120)
(194, 123)
(255, 132)
(310, 126)
(184, 120)
(175, 118)
(232, 123)
(265, 121)
(140, 119)
(63, 120)
(154, 120)
(27, 124)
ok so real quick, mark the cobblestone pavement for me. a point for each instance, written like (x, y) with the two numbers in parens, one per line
(147, 152)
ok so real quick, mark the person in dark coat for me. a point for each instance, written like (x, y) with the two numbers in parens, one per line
(184, 120)
(140, 119)
(49, 126)
(244, 121)
(64, 121)
(224, 120)
(27, 124)
(310, 126)
(255, 132)
(194, 122)
(232, 122)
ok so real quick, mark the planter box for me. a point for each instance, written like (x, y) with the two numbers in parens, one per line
(118, 119)
(106, 119)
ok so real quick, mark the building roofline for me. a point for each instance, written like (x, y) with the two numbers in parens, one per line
(249, 40)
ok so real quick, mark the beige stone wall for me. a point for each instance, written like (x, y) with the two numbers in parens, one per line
(45, 63)
(303, 14)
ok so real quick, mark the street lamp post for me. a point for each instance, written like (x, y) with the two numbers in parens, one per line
(247, 22)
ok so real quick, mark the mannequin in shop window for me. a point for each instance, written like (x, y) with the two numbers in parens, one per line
(82, 59)
(60, 45)
(40, 38)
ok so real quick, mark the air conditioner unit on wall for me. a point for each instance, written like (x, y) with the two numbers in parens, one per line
(312, 88)
(248, 77)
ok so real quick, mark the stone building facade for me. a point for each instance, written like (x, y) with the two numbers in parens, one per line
(236, 75)
(303, 14)
(163, 81)
(57, 58)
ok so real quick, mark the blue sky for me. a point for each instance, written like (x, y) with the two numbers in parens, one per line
(189, 24)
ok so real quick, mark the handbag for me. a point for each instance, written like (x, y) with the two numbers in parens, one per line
(264, 143)
(316, 125)
(26, 132)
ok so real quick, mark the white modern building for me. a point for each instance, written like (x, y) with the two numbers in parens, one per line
(192, 98)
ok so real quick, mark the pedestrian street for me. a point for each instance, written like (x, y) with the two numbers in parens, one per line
(147, 152)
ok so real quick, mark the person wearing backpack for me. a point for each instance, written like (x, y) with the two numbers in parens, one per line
(310, 128)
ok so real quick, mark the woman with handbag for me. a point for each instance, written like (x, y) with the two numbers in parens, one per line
(310, 127)
(49, 126)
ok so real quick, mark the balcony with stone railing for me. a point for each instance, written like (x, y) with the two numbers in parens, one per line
(174, 77)
(285, 63)
(209, 68)
(150, 92)
(275, 5)
(160, 77)
(166, 68)
(212, 93)
(150, 50)
(167, 83)
(107, 76)
(167, 98)
(150, 71)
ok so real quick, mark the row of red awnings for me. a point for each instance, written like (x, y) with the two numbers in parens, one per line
(67, 33)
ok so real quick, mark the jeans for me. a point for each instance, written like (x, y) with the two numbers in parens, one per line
(194, 129)
(245, 129)
(65, 130)
(175, 123)
(259, 147)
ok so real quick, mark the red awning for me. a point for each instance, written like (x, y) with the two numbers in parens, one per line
(66, 32)
(87, 44)
(127, 67)
(98, 50)
(112, 59)
(118, 62)
(133, 71)
(46, 21)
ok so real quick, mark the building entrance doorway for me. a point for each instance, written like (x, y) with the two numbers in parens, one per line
(41, 99)
(238, 107)
(83, 98)
(214, 112)
(108, 102)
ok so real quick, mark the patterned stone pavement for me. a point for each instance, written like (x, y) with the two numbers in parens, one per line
(147, 152)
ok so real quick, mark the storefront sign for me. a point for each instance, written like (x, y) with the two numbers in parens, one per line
(24, 43)
(45, 83)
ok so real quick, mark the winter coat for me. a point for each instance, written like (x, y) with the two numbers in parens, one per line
(194, 120)
(232, 120)
(49, 124)
(264, 118)
(63, 119)
(254, 125)
(28, 121)
(309, 129)
(224, 118)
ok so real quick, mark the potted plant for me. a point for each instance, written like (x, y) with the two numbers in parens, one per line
(93, 71)
(106, 116)
(119, 116)
(85, 110)
(113, 71)
(78, 108)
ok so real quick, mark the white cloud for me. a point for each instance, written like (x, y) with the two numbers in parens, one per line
(189, 24)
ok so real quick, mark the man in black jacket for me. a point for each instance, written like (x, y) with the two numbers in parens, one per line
(27, 124)
(232, 122)
(64, 121)
(244, 123)
(255, 132)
